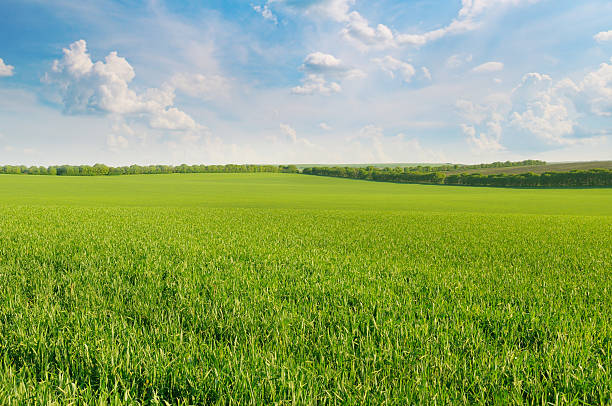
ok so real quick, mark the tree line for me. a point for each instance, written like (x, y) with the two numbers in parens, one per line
(103, 170)
(574, 178)
(454, 167)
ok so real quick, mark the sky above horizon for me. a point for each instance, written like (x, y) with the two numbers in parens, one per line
(304, 81)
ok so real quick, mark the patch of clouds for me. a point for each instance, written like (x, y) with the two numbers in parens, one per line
(5, 69)
(395, 67)
(470, 17)
(316, 84)
(489, 67)
(552, 112)
(596, 88)
(291, 135)
(326, 64)
(322, 73)
(117, 142)
(325, 127)
(200, 86)
(484, 126)
(604, 36)
(103, 87)
(266, 12)
(371, 145)
(426, 73)
(336, 10)
(484, 141)
(358, 30)
(458, 60)
(540, 109)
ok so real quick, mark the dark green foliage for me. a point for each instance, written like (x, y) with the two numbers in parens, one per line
(101, 169)
(576, 178)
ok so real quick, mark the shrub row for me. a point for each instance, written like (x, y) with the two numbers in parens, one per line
(102, 170)
(575, 178)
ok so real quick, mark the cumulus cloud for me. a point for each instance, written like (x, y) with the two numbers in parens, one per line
(103, 87)
(550, 111)
(316, 84)
(596, 88)
(603, 36)
(6, 70)
(426, 73)
(485, 141)
(489, 67)
(200, 86)
(358, 29)
(485, 122)
(326, 64)
(325, 127)
(394, 66)
(541, 110)
(322, 73)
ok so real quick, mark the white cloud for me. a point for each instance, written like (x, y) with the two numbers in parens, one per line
(291, 135)
(597, 89)
(358, 30)
(116, 142)
(322, 72)
(393, 66)
(6, 70)
(325, 127)
(603, 36)
(486, 141)
(457, 61)
(172, 119)
(289, 132)
(335, 9)
(103, 87)
(426, 73)
(316, 84)
(551, 111)
(540, 111)
(489, 67)
(326, 64)
(371, 145)
(266, 13)
(484, 131)
(473, 8)
(539, 107)
(200, 86)
(469, 18)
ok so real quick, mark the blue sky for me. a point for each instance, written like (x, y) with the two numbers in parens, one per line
(304, 81)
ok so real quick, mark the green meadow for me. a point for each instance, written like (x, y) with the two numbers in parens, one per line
(295, 289)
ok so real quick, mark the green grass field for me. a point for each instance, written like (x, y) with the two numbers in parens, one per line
(292, 289)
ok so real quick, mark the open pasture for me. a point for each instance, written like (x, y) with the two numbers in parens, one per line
(289, 289)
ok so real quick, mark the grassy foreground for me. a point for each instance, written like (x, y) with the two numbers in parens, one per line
(289, 289)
